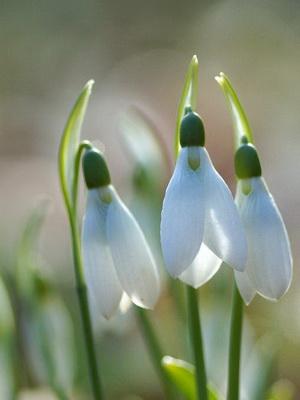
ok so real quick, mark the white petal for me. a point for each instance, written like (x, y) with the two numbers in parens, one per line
(125, 303)
(101, 278)
(269, 264)
(202, 269)
(132, 257)
(182, 219)
(245, 287)
(223, 233)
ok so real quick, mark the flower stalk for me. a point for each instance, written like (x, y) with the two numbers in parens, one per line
(189, 99)
(70, 152)
(82, 290)
(268, 269)
(235, 345)
(195, 334)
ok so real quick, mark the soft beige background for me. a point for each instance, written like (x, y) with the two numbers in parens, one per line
(138, 52)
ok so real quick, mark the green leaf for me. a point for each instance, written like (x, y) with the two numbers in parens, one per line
(183, 376)
(188, 97)
(142, 142)
(240, 120)
(28, 258)
(6, 314)
(69, 145)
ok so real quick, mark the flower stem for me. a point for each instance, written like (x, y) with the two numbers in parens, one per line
(196, 342)
(80, 281)
(154, 349)
(235, 345)
(85, 313)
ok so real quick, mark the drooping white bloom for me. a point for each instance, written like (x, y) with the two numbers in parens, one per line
(200, 225)
(116, 255)
(269, 264)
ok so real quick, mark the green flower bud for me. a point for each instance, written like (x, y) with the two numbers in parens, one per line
(192, 130)
(246, 161)
(96, 173)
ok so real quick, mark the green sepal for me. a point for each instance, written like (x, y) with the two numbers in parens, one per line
(182, 374)
(96, 173)
(246, 162)
(192, 130)
(28, 255)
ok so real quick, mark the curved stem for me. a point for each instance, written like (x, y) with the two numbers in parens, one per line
(188, 97)
(155, 350)
(84, 145)
(235, 345)
(196, 342)
(80, 283)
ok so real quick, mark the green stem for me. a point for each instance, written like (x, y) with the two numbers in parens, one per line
(196, 342)
(80, 281)
(177, 290)
(154, 350)
(84, 309)
(235, 345)
(188, 97)
(84, 145)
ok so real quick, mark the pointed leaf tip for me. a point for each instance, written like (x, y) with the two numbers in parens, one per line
(240, 120)
(89, 85)
(70, 142)
(182, 374)
(195, 60)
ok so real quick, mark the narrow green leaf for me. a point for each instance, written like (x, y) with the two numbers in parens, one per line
(240, 120)
(142, 142)
(69, 144)
(28, 258)
(6, 315)
(188, 97)
(183, 376)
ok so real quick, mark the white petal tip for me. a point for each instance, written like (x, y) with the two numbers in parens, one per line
(245, 287)
(143, 302)
(274, 298)
(249, 301)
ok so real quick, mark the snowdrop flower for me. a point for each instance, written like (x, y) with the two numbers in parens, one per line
(116, 255)
(200, 225)
(269, 264)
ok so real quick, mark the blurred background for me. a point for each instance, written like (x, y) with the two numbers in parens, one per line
(138, 53)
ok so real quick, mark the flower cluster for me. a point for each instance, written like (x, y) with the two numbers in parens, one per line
(200, 225)
(201, 228)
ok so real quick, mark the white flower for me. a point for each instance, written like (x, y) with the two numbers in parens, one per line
(116, 255)
(200, 225)
(269, 264)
